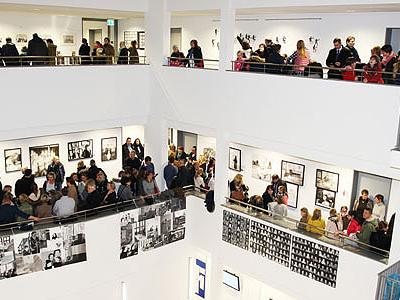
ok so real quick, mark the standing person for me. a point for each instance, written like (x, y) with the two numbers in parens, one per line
(195, 55)
(276, 183)
(10, 50)
(300, 58)
(268, 196)
(50, 183)
(126, 149)
(305, 217)
(149, 185)
(139, 149)
(238, 189)
(124, 191)
(181, 154)
(379, 210)
(362, 202)
(354, 223)
(177, 57)
(334, 224)
(388, 61)
(44, 209)
(58, 169)
(93, 198)
(111, 196)
(280, 209)
(65, 206)
(282, 192)
(72, 189)
(37, 47)
(148, 165)
(9, 211)
(316, 224)
(84, 52)
(344, 216)
(373, 71)
(337, 59)
(24, 185)
(350, 42)
(123, 54)
(133, 53)
(183, 178)
(193, 154)
(52, 52)
(109, 51)
(170, 171)
(261, 51)
(368, 227)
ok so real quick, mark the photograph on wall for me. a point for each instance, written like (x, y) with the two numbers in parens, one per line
(327, 180)
(21, 38)
(13, 160)
(261, 169)
(109, 149)
(141, 38)
(208, 153)
(293, 194)
(68, 39)
(325, 198)
(41, 157)
(80, 150)
(292, 172)
(7, 257)
(235, 159)
(152, 226)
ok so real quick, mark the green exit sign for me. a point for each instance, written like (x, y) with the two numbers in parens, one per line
(110, 22)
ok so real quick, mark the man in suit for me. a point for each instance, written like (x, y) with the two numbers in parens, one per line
(337, 59)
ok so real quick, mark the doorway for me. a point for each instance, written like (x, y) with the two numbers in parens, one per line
(97, 29)
(176, 38)
(393, 38)
(95, 35)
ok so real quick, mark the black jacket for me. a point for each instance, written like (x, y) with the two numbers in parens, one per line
(341, 58)
(123, 56)
(111, 198)
(276, 59)
(125, 153)
(10, 49)
(93, 200)
(388, 78)
(133, 163)
(182, 178)
(24, 186)
(197, 55)
(84, 50)
(353, 53)
(37, 47)
(139, 149)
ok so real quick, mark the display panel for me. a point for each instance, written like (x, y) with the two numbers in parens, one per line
(231, 280)
(80, 150)
(236, 230)
(109, 149)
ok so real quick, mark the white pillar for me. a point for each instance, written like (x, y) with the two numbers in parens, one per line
(227, 35)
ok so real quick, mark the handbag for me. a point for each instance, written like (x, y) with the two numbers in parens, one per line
(237, 195)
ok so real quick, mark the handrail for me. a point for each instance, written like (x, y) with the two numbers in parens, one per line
(195, 63)
(326, 233)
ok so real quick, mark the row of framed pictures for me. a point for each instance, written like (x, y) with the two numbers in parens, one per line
(41, 156)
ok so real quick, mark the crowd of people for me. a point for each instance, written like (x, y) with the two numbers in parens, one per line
(193, 59)
(44, 52)
(365, 223)
(343, 61)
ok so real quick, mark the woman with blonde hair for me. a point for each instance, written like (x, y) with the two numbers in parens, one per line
(300, 58)
(316, 223)
(305, 217)
(238, 188)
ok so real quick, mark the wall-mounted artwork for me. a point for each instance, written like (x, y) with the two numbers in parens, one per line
(208, 153)
(327, 180)
(80, 150)
(261, 169)
(68, 39)
(21, 38)
(236, 230)
(325, 198)
(41, 157)
(141, 39)
(293, 194)
(235, 159)
(109, 149)
(292, 172)
(13, 160)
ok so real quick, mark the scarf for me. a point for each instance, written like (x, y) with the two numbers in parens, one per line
(385, 60)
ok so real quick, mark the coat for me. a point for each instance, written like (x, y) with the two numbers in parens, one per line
(368, 227)
(84, 50)
(197, 55)
(109, 52)
(10, 49)
(123, 56)
(388, 67)
(341, 59)
(133, 55)
(37, 47)
(373, 75)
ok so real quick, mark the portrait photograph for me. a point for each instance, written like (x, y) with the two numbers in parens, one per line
(13, 160)
(41, 157)
(235, 159)
(327, 180)
(325, 198)
(109, 149)
(292, 172)
(80, 150)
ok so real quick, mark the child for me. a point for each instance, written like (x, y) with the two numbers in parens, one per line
(373, 71)
(239, 62)
(349, 72)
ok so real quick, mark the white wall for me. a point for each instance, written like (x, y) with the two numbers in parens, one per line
(131, 24)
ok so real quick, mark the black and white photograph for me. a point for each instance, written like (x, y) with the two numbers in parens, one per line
(208, 153)
(68, 39)
(7, 257)
(13, 160)
(21, 38)
(141, 38)
(292, 172)
(80, 150)
(327, 180)
(41, 157)
(109, 149)
(236, 230)
(325, 198)
(293, 194)
(261, 168)
(235, 159)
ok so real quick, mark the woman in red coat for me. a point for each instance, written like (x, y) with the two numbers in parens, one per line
(373, 71)
(354, 225)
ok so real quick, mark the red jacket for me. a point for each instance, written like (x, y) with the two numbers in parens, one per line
(373, 75)
(354, 227)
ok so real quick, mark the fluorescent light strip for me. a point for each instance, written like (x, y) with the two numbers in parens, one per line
(295, 19)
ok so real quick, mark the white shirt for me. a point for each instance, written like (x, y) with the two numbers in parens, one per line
(378, 212)
(199, 182)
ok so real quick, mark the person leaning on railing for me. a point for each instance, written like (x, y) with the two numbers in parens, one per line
(373, 71)
(177, 57)
(316, 224)
(195, 55)
(388, 61)
(133, 53)
(123, 54)
(334, 224)
(9, 50)
(9, 211)
(305, 217)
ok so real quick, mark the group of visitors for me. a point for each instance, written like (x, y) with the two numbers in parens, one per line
(343, 62)
(193, 59)
(364, 223)
(44, 52)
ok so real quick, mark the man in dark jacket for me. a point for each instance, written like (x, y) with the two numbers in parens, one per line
(24, 185)
(10, 50)
(276, 183)
(37, 47)
(183, 177)
(337, 59)
(126, 149)
(132, 161)
(123, 54)
(84, 52)
(170, 171)
(275, 60)
(9, 211)
(57, 168)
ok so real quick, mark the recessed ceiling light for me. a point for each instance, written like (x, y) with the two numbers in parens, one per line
(36, 9)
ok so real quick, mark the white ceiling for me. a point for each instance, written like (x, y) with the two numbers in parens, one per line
(70, 11)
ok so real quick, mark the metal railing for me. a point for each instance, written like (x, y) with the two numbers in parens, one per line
(333, 238)
(55, 61)
(314, 71)
(388, 287)
(208, 64)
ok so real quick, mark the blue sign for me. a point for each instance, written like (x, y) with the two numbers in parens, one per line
(201, 279)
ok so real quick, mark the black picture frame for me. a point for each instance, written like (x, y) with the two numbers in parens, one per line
(330, 198)
(12, 164)
(109, 154)
(296, 188)
(294, 178)
(320, 174)
(141, 40)
(73, 155)
(235, 159)
(39, 169)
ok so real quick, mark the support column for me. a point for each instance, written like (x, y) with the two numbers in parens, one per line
(227, 36)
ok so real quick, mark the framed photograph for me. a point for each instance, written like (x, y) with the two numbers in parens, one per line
(261, 169)
(41, 157)
(109, 149)
(327, 180)
(13, 160)
(292, 172)
(80, 150)
(235, 159)
(68, 39)
(141, 39)
(325, 198)
(293, 194)
(21, 38)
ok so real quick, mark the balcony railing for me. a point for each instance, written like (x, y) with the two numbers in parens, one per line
(207, 64)
(389, 283)
(338, 240)
(313, 71)
(56, 61)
